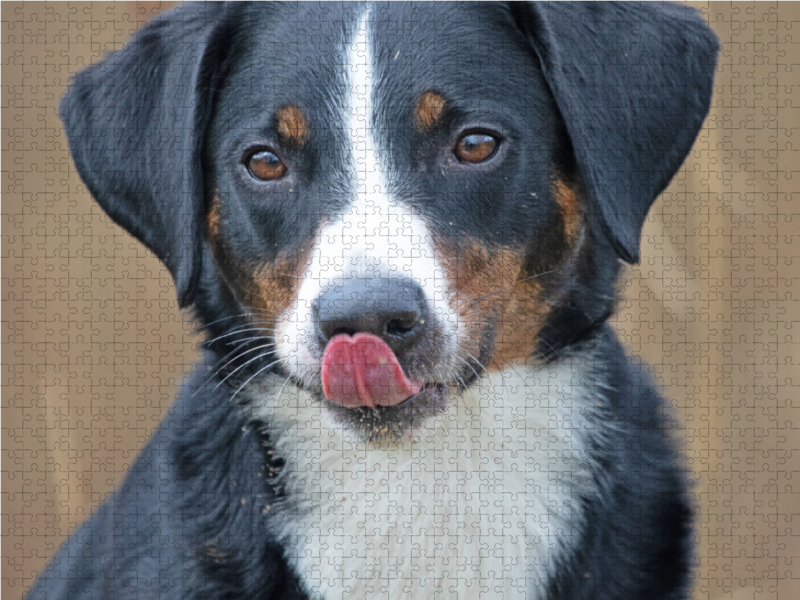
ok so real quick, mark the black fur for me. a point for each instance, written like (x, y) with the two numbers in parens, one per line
(653, 61)
(136, 127)
(637, 541)
(624, 89)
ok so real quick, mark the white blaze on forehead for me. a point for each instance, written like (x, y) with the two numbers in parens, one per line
(376, 236)
(369, 174)
(380, 235)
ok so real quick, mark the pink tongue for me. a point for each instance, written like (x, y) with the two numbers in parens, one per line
(363, 371)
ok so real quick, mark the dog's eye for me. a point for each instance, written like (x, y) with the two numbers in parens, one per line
(265, 166)
(475, 148)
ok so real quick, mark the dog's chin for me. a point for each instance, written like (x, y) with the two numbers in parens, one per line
(393, 423)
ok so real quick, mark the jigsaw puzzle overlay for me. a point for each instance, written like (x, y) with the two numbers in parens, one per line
(95, 346)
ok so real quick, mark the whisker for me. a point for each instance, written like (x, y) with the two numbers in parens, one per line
(249, 312)
(238, 356)
(307, 383)
(541, 354)
(280, 393)
(506, 391)
(277, 400)
(228, 334)
(546, 343)
(535, 276)
(261, 370)
(250, 339)
(214, 370)
(470, 366)
(207, 325)
(246, 326)
(260, 356)
(479, 363)
(239, 344)
(251, 324)
(216, 339)
(510, 366)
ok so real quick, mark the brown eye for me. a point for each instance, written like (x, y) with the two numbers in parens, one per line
(265, 166)
(475, 148)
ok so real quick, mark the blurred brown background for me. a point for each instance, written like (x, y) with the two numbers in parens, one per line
(94, 346)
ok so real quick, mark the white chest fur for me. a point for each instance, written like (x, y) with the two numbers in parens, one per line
(475, 505)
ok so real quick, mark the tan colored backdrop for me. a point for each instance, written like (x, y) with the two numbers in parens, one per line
(94, 346)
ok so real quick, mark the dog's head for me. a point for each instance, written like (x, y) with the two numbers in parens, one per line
(381, 202)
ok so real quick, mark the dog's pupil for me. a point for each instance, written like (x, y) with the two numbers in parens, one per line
(266, 166)
(476, 147)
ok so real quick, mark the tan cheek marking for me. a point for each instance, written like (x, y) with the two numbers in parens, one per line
(292, 125)
(428, 110)
(212, 223)
(570, 210)
(270, 287)
(278, 282)
(485, 283)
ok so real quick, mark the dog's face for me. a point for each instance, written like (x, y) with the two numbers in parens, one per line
(383, 180)
(392, 199)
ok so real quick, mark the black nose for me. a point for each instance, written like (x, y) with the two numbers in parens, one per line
(394, 309)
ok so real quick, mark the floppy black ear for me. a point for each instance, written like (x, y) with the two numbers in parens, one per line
(633, 82)
(135, 123)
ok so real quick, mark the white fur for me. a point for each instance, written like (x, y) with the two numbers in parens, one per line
(375, 237)
(478, 504)
(480, 501)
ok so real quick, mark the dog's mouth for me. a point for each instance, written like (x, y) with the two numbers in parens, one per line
(368, 391)
(362, 371)
(428, 391)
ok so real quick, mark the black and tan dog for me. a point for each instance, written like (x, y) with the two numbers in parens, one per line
(400, 226)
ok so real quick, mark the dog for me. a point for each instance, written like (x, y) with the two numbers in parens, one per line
(399, 227)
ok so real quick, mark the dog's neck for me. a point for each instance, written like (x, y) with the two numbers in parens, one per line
(480, 502)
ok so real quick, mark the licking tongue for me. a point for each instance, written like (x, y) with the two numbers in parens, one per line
(363, 371)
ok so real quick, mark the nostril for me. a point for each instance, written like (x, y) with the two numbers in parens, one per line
(400, 328)
(392, 309)
(341, 330)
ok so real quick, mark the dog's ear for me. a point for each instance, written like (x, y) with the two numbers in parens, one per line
(135, 124)
(633, 82)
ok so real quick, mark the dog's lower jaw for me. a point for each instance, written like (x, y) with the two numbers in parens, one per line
(414, 417)
(480, 502)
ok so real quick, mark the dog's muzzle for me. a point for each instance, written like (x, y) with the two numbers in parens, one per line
(367, 328)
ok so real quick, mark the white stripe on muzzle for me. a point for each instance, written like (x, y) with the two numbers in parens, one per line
(375, 237)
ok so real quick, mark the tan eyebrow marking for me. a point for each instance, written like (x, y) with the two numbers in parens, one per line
(428, 110)
(293, 125)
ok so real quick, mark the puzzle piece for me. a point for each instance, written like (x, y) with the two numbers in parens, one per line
(96, 346)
